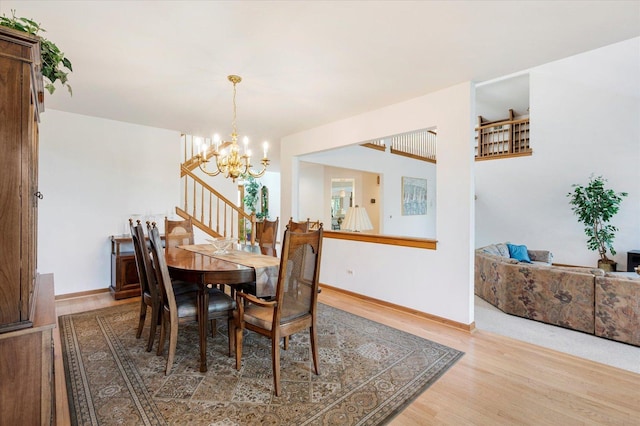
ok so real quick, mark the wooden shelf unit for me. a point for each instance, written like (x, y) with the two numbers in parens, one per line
(27, 385)
(27, 305)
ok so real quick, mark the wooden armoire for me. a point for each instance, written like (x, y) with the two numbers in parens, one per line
(27, 308)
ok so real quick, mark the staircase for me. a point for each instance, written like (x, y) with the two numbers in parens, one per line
(210, 211)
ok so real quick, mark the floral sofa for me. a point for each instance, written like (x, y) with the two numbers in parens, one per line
(562, 296)
(583, 299)
(617, 306)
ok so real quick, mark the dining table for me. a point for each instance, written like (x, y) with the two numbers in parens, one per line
(204, 265)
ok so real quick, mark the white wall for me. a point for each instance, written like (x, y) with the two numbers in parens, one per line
(272, 181)
(584, 120)
(439, 281)
(313, 193)
(94, 174)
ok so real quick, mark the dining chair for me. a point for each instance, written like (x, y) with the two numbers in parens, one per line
(294, 307)
(177, 233)
(268, 237)
(298, 226)
(149, 296)
(178, 308)
(313, 225)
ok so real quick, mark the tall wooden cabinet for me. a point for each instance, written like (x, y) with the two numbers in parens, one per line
(20, 105)
(27, 308)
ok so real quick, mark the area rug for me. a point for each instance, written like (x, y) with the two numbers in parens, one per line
(369, 372)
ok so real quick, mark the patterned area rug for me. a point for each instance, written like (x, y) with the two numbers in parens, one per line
(368, 373)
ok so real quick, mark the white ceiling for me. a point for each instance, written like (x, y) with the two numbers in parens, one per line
(303, 63)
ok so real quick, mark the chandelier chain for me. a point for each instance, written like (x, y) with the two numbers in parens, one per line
(235, 131)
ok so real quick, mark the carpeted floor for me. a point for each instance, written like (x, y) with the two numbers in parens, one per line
(588, 346)
(368, 373)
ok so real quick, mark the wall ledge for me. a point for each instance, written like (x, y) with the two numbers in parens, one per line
(422, 243)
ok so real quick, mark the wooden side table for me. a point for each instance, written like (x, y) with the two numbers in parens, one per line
(124, 272)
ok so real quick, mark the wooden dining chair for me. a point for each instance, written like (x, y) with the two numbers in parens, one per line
(313, 226)
(177, 233)
(294, 307)
(183, 307)
(298, 226)
(149, 295)
(268, 237)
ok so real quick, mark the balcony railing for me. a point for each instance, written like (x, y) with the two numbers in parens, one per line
(420, 145)
(504, 138)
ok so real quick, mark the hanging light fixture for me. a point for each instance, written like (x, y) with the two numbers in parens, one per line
(231, 164)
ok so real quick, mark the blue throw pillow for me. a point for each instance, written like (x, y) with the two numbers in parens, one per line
(519, 253)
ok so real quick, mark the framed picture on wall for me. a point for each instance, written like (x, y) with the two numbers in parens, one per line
(414, 196)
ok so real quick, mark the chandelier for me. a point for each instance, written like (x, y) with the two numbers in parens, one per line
(231, 164)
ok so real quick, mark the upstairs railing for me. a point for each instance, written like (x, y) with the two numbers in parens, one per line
(502, 138)
(419, 145)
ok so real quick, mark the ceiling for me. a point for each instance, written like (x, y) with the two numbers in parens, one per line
(305, 63)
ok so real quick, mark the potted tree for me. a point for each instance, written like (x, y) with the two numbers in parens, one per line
(251, 190)
(595, 205)
(250, 200)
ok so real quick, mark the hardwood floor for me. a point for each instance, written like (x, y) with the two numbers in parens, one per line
(498, 381)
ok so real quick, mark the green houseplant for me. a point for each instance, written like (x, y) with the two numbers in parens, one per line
(250, 200)
(251, 191)
(54, 62)
(595, 205)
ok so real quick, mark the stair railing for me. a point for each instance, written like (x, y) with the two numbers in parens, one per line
(212, 212)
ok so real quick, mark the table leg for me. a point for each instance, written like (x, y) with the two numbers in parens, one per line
(203, 315)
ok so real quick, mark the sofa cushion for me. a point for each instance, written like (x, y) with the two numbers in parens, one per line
(499, 249)
(544, 256)
(519, 253)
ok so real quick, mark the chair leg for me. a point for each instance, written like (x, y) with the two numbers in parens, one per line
(231, 329)
(143, 316)
(286, 343)
(238, 341)
(163, 335)
(155, 312)
(213, 328)
(314, 349)
(173, 342)
(275, 362)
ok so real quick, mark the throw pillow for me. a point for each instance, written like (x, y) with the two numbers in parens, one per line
(519, 253)
(503, 249)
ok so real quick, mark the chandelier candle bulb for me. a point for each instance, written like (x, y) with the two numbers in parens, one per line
(265, 146)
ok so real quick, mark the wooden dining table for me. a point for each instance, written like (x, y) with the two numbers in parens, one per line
(199, 264)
